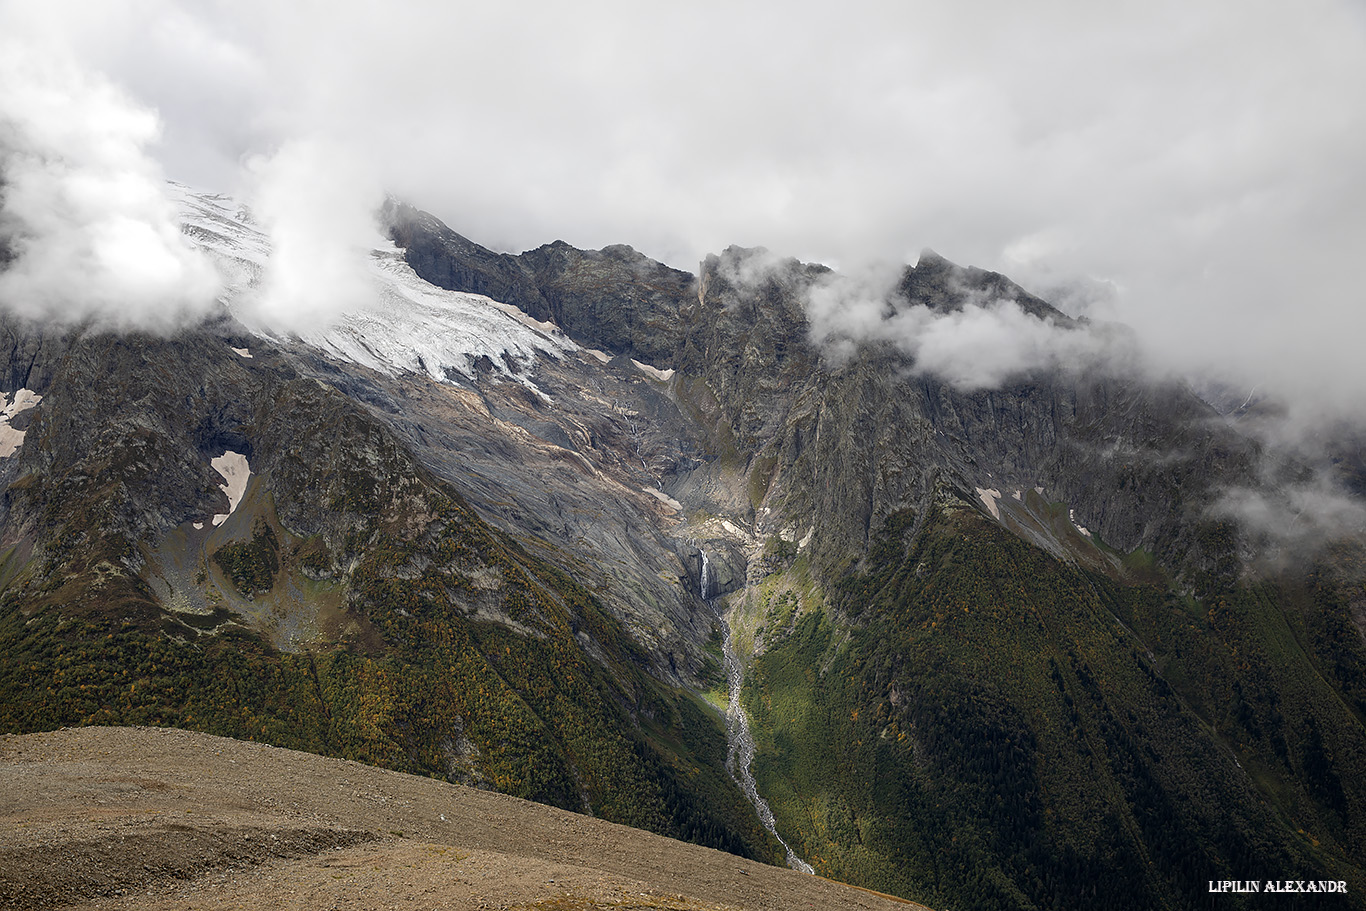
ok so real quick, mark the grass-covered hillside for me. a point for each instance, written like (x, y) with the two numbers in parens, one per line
(970, 722)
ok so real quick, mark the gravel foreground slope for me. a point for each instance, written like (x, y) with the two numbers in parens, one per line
(152, 818)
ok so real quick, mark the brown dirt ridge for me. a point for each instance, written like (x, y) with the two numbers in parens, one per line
(154, 818)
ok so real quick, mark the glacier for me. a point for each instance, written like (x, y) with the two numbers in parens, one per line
(404, 325)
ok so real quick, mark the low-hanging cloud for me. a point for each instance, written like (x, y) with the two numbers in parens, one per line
(983, 345)
(83, 210)
(980, 341)
(1286, 522)
(320, 205)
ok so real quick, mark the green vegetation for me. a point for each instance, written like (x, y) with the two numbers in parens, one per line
(715, 687)
(978, 725)
(548, 724)
(251, 565)
(424, 682)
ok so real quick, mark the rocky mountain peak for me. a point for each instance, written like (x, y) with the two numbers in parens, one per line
(615, 300)
(944, 286)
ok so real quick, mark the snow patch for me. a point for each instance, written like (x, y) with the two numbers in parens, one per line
(236, 472)
(1039, 491)
(662, 375)
(241, 352)
(601, 356)
(224, 229)
(10, 440)
(1017, 496)
(198, 525)
(21, 401)
(810, 532)
(989, 497)
(664, 498)
(1072, 517)
(526, 319)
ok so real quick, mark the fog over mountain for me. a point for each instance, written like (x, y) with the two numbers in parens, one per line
(1190, 172)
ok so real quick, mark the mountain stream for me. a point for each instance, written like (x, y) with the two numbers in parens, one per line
(739, 740)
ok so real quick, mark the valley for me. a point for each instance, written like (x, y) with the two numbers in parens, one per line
(508, 522)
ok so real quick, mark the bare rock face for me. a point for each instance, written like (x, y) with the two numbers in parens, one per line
(30, 354)
(448, 260)
(944, 286)
(837, 447)
(785, 441)
(576, 477)
(614, 299)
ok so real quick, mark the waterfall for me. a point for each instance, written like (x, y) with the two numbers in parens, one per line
(739, 739)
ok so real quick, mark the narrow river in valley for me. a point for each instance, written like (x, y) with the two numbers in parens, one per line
(739, 740)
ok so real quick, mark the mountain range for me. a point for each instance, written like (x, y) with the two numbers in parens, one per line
(545, 523)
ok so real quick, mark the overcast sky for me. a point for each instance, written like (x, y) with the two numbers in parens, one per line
(1195, 167)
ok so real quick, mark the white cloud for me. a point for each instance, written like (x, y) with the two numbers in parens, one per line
(319, 205)
(981, 346)
(983, 343)
(84, 208)
(1285, 522)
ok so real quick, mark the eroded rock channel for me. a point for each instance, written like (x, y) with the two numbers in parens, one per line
(739, 739)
